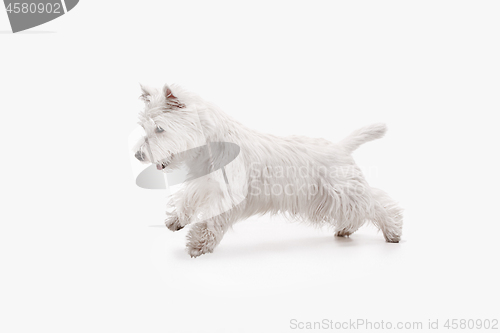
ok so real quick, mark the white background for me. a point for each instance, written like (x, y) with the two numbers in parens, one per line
(83, 249)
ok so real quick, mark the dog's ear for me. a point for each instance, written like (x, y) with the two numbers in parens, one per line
(172, 100)
(167, 92)
(146, 93)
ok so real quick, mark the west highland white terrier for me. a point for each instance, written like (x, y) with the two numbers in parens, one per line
(235, 172)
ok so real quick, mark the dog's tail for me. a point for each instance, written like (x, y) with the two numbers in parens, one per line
(362, 135)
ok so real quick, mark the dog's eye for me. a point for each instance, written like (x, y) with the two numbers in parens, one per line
(159, 129)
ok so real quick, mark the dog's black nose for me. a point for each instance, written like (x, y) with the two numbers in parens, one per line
(140, 155)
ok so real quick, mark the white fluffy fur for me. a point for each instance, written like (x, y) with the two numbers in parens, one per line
(319, 180)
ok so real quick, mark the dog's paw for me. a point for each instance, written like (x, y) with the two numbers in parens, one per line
(200, 241)
(343, 233)
(173, 223)
(196, 252)
(392, 236)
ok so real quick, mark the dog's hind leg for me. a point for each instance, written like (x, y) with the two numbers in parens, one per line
(387, 216)
(347, 229)
(344, 232)
(349, 207)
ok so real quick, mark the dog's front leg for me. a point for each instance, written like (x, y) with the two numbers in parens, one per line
(206, 235)
(176, 221)
(178, 218)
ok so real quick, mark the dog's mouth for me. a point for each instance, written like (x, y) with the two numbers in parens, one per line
(165, 162)
(161, 166)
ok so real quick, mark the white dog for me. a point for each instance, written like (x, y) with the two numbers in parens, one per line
(235, 172)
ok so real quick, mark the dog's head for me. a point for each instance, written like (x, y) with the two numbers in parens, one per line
(172, 127)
